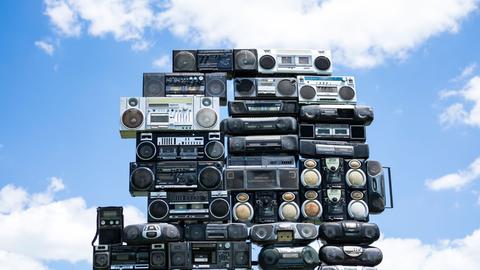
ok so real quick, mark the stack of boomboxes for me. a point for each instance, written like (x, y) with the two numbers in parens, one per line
(286, 170)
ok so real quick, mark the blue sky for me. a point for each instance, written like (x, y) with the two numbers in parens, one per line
(63, 69)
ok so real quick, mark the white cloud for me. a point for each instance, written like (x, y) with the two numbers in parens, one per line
(467, 111)
(456, 180)
(362, 33)
(14, 261)
(163, 62)
(45, 47)
(466, 72)
(42, 229)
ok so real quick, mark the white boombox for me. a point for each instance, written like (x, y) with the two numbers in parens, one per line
(326, 90)
(168, 114)
(282, 61)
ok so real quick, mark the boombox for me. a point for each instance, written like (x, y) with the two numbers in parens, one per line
(262, 108)
(345, 267)
(341, 205)
(337, 132)
(285, 61)
(210, 255)
(151, 233)
(261, 173)
(189, 206)
(129, 257)
(265, 88)
(175, 175)
(326, 90)
(272, 258)
(352, 232)
(177, 146)
(216, 232)
(266, 207)
(203, 60)
(283, 232)
(376, 187)
(322, 148)
(247, 145)
(168, 114)
(338, 114)
(312, 209)
(109, 225)
(185, 84)
(259, 125)
(351, 255)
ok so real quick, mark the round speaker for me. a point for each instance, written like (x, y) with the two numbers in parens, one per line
(101, 260)
(171, 232)
(142, 178)
(311, 195)
(209, 177)
(286, 87)
(307, 231)
(132, 118)
(157, 258)
(330, 230)
(242, 258)
(289, 211)
(146, 150)
(154, 86)
(267, 62)
(358, 210)
(131, 233)
(309, 255)
(215, 88)
(307, 92)
(322, 63)
(310, 163)
(346, 93)
(219, 208)
(355, 164)
(243, 212)
(245, 60)
(374, 167)
(214, 150)
(268, 257)
(371, 232)
(245, 87)
(158, 209)
(312, 209)
(311, 178)
(206, 117)
(356, 178)
(184, 61)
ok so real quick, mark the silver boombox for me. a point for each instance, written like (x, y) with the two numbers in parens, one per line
(281, 61)
(168, 114)
(326, 90)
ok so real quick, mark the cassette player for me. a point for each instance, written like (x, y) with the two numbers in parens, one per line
(216, 232)
(351, 255)
(246, 145)
(288, 61)
(301, 257)
(326, 90)
(191, 206)
(283, 232)
(175, 175)
(261, 173)
(323, 148)
(158, 146)
(352, 232)
(151, 233)
(107, 257)
(265, 88)
(337, 132)
(259, 125)
(262, 108)
(337, 114)
(168, 114)
(215, 60)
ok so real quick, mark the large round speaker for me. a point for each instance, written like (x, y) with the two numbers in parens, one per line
(243, 212)
(131, 233)
(311, 178)
(214, 149)
(358, 210)
(157, 258)
(219, 208)
(206, 118)
(245, 87)
(307, 231)
(132, 118)
(356, 178)
(346, 93)
(245, 60)
(158, 209)
(312, 209)
(289, 211)
(307, 92)
(101, 260)
(268, 257)
(286, 87)
(142, 178)
(267, 62)
(146, 150)
(322, 63)
(215, 88)
(184, 61)
(209, 178)
(261, 232)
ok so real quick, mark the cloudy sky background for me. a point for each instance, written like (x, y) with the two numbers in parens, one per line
(66, 62)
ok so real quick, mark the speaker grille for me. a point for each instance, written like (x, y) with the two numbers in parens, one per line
(206, 117)
(157, 258)
(243, 212)
(210, 178)
(244, 87)
(245, 60)
(158, 209)
(132, 118)
(307, 92)
(214, 149)
(142, 178)
(219, 208)
(146, 150)
(346, 93)
(153, 85)
(267, 62)
(184, 61)
(322, 63)
(286, 87)
(215, 88)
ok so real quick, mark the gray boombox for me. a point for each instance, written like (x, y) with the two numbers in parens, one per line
(326, 90)
(288, 61)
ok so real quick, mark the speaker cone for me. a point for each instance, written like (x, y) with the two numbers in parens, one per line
(214, 150)
(131, 233)
(243, 212)
(209, 177)
(132, 118)
(312, 209)
(245, 60)
(322, 63)
(215, 88)
(358, 210)
(219, 208)
(289, 211)
(245, 86)
(374, 168)
(346, 93)
(184, 61)
(286, 87)
(356, 178)
(153, 85)
(311, 178)
(206, 117)
(142, 178)
(268, 256)
(158, 209)
(267, 62)
(146, 150)
(171, 232)
(308, 92)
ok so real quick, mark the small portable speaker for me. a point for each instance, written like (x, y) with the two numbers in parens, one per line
(184, 60)
(158, 257)
(153, 84)
(110, 225)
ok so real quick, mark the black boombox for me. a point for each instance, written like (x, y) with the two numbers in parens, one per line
(189, 206)
(184, 84)
(158, 146)
(351, 255)
(259, 126)
(216, 232)
(202, 60)
(109, 225)
(323, 148)
(283, 233)
(339, 204)
(266, 207)
(210, 255)
(262, 108)
(273, 258)
(151, 233)
(352, 232)
(338, 114)
(337, 132)
(146, 177)
(248, 145)
(107, 257)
